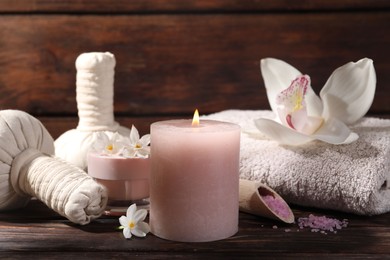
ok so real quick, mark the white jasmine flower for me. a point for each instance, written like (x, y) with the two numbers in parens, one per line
(302, 116)
(108, 145)
(132, 223)
(138, 147)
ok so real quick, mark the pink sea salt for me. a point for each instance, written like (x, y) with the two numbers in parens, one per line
(276, 205)
(322, 224)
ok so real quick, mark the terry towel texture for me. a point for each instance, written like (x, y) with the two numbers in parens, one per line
(352, 178)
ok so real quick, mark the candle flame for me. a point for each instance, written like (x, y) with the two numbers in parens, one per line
(195, 120)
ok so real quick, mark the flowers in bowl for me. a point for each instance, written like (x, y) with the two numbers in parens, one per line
(122, 165)
(302, 116)
(117, 145)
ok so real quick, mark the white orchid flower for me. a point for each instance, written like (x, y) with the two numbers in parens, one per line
(302, 116)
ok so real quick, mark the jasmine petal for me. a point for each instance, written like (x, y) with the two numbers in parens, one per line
(134, 135)
(106, 145)
(127, 233)
(138, 147)
(140, 215)
(131, 210)
(144, 227)
(100, 142)
(123, 221)
(141, 230)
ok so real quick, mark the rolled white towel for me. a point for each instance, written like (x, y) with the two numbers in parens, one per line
(352, 178)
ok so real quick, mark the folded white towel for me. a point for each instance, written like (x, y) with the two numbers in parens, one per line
(351, 178)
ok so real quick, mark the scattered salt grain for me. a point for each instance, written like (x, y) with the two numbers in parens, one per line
(322, 224)
(277, 205)
(274, 227)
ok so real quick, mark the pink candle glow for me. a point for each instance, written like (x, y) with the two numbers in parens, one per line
(194, 180)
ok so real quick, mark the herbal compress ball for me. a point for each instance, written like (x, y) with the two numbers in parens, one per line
(94, 95)
(28, 169)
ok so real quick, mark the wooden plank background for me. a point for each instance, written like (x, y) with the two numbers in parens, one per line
(124, 6)
(175, 56)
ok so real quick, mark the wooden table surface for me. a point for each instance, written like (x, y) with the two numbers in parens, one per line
(38, 231)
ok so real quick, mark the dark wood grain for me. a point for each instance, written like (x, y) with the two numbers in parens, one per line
(43, 232)
(142, 6)
(171, 64)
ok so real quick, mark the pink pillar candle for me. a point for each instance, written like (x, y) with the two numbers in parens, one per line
(194, 180)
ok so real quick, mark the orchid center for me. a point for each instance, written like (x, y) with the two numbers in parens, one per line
(297, 98)
(292, 99)
(292, 107)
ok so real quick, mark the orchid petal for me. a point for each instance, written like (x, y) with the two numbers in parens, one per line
(277, 76)
(334, 131)
(305, 124)
(351, 138)
(349, 91)
(280, 133)
(313, 102)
